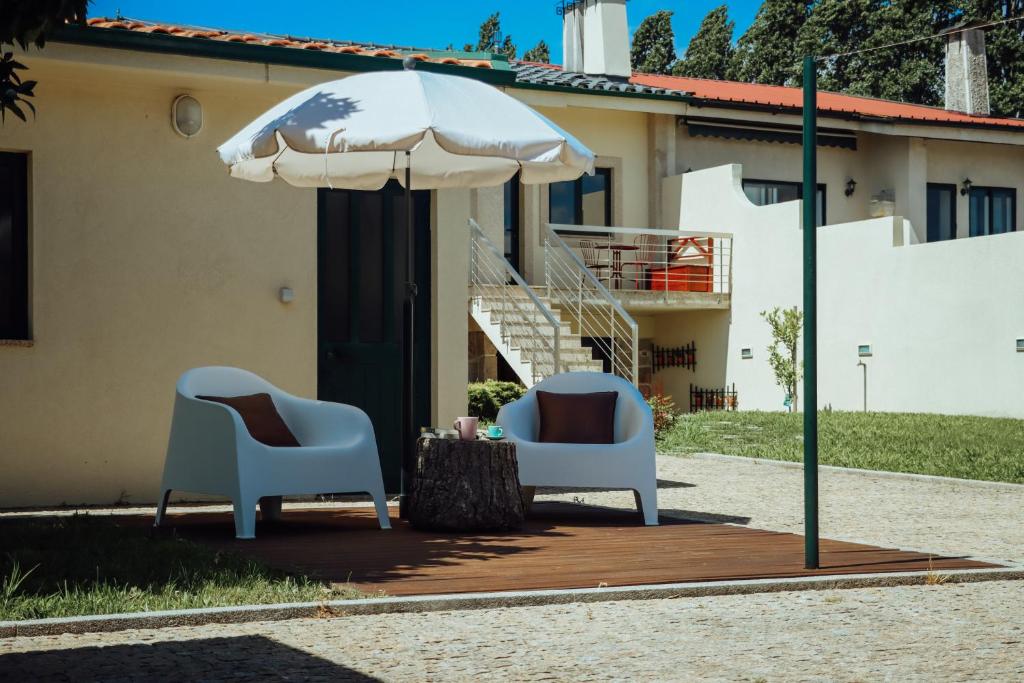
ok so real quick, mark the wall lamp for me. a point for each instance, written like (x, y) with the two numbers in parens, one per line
(965, 186)
(851, 185)
(186, 116)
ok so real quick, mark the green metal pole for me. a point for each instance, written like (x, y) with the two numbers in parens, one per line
(810, 202)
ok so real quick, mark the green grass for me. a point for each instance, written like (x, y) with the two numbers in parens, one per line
(946, 445)
(82, 564)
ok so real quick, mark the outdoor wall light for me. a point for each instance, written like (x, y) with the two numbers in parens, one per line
(286, 295)
(746, 354)
(186, 116)
(864, 350)
(965, 186)
(851, 185)
(1020, 345)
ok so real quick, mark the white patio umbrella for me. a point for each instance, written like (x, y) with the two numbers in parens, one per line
(426, 130)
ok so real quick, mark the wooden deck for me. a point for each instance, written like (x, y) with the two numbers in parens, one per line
(562, 546)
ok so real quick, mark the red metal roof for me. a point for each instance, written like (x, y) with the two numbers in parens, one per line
(278, 41)
(828, 102)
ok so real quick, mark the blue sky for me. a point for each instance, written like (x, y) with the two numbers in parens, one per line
(408, 22)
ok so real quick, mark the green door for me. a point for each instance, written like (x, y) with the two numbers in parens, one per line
(361, 254)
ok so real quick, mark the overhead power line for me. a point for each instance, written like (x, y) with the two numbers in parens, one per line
(921, 39)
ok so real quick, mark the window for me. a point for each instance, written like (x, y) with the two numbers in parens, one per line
(993, 210)
(584, 201)
(13, 246)
(512, 222)
(941, 209)
(764, 192)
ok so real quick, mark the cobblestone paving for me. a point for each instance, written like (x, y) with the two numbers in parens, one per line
(926, 633)
(952, 632)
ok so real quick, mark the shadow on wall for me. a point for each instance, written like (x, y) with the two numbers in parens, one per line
(238, 658)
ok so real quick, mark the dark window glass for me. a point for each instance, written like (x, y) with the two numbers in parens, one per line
(512, 222)
(585, 201)
(993, 210)
(764, 192)
(13, 246)
(941, 212)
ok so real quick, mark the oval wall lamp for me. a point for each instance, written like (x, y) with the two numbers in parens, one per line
(186, 116)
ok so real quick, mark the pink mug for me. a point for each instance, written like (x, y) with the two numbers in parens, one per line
(466, 427)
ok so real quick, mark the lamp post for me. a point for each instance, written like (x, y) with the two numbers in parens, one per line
(810, 173)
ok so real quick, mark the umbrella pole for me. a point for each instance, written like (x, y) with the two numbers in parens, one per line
(408, 425)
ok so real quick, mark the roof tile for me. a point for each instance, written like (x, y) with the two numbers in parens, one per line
(276, 41)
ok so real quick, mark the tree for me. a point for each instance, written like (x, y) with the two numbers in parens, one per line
(785, 324)
(909, 72)
(29, 22)
(766, 52)
(539, 53)
(490, 39)
(710, 50)
(653, 49)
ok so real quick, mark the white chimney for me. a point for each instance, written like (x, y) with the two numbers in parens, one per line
(966, 70)
(595, 38)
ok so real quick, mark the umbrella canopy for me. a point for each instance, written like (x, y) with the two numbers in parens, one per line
(354, 133)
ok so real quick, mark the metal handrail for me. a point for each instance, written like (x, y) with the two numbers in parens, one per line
(616, 330)
(499, 269)
(604, 230)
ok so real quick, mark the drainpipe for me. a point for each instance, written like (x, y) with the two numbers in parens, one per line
(862, 364)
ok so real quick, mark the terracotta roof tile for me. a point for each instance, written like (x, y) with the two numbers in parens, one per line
(829, 102)
(277, 41)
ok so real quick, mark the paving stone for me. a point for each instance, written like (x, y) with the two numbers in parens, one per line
(949, 632)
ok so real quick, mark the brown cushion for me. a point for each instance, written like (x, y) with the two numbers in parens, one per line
(260, 417)
(577, 418)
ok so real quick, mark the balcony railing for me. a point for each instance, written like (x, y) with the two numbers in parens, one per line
(655, 261)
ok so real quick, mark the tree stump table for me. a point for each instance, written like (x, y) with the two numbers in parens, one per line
(465, 486)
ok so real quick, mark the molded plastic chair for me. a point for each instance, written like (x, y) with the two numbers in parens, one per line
(212, 452)
(629, 463)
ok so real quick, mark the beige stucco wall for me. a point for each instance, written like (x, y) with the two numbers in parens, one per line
(147, 259)
(986, 165)
(619, 139)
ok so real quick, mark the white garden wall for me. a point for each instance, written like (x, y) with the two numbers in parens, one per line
(942, 319)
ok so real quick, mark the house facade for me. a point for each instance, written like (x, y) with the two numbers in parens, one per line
(132, 256)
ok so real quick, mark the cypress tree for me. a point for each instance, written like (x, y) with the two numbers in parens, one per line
(653, 49)
(766, 52)
(538, 53)
(710, 50)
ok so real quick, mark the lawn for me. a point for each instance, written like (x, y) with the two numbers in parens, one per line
(86, 564)
(946, 445)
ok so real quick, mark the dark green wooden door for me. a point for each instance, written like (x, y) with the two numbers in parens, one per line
(361, 254)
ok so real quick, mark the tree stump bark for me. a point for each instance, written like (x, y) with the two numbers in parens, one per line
(465, 486)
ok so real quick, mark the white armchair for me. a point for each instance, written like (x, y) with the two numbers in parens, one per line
(628, 463)
(212, 452)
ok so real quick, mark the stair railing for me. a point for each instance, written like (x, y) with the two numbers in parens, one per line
(493, 279)
(593, 310)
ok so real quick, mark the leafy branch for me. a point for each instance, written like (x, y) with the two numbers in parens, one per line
(785, 324)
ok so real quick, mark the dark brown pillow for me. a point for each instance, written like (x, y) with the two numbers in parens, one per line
(260, 417)
(577, 418)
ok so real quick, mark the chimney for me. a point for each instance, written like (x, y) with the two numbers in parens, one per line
(966, 70)
(595, 38)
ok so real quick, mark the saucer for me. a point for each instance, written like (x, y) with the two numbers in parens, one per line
(494, 438)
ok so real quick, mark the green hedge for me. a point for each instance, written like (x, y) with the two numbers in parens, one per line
(485, 398)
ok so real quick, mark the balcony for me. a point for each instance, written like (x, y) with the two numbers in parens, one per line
(646, 270)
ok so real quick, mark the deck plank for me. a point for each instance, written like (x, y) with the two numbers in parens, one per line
(561, 546)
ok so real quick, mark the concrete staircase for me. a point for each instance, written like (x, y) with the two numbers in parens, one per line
(524, 335)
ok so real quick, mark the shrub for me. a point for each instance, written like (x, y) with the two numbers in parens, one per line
(664, 410)
(486, 398)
